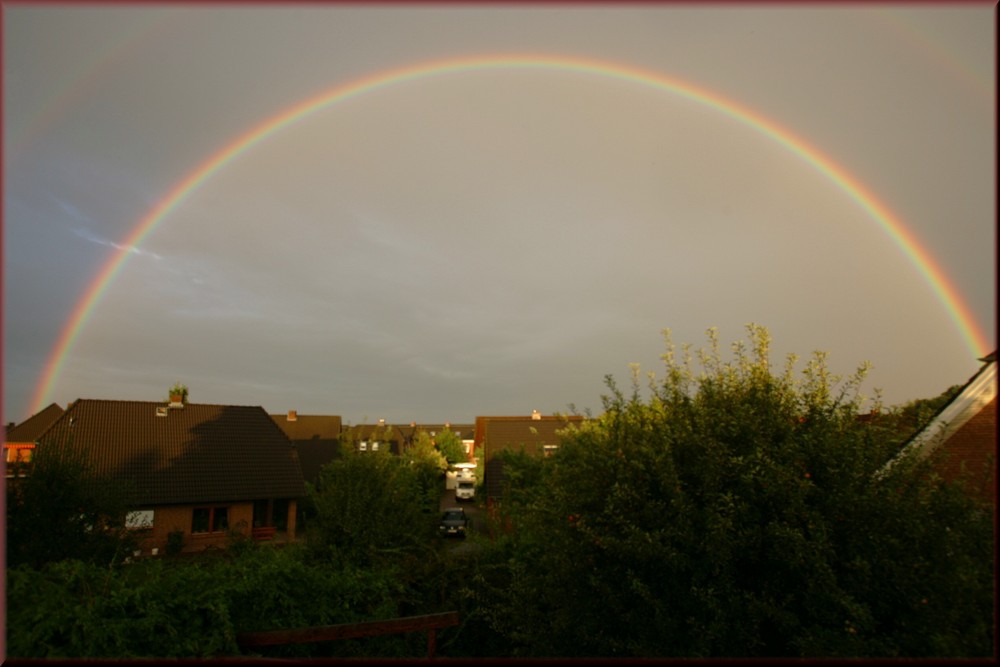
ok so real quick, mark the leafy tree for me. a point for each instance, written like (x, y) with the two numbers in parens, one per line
(60, 509)
(450, 445)
(369, 508)
(739, 513)
(423, 451)
(429, 465)
(914, 415)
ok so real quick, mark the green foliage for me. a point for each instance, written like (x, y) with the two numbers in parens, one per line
(62, 510)
(450, 446)
(429, 466)
(175, 542)
(732, 512)
(423, 452)
(369, 509)
(911, 417)
(738, 513)
(194, 608)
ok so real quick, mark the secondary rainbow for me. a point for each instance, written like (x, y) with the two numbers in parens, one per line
(889, 223)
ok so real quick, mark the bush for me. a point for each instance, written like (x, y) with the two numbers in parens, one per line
(736, 513)
(62, 510)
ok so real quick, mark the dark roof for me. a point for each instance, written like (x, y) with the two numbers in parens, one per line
(463, 431)
(31, 428)
(194, 454)
(310, 427)
(316, 439)
(512, 432)
(314, 454)
(368, 431)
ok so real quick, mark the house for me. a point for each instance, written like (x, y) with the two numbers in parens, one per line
(380, 437)
(962, 436)
(534, 434)
(192, 471)
(316, 439)
(464, 432)
(20, 439)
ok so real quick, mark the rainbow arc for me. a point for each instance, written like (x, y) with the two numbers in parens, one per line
(915, 251)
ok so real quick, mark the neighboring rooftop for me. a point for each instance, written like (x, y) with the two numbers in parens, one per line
(31, 428)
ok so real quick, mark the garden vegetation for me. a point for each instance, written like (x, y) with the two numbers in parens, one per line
(722, 511)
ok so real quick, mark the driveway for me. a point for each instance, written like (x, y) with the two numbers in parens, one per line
(477, 521)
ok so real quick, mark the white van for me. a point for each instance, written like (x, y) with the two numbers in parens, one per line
(466, 490)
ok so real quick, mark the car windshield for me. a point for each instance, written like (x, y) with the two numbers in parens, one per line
(465, 485)
(452, 516)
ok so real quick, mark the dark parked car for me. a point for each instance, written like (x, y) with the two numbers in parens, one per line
(454, 522)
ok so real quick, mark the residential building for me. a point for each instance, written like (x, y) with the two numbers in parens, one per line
(316, 439)
(962, 436)
(380, 437)
(535, 434)
(20, 439)
(192, 470)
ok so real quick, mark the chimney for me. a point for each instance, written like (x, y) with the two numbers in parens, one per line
(292, 416)
(536, 415)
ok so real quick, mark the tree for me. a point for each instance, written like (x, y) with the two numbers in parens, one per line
(429, 465)
(62, 510)
(368, 508)
(736, 512)
(450, 445)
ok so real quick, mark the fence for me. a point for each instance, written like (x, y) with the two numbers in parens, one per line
(323, 633)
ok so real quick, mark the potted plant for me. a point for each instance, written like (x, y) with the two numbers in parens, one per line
(178, 393)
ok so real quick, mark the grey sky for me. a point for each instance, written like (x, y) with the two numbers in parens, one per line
(487, 242)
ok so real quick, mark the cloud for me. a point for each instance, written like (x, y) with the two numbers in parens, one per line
(88, 235)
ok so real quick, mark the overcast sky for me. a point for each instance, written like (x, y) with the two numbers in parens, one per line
(492, 241)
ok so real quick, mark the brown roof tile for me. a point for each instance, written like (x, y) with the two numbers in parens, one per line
(198, 453)
(512, 432)
(31, 428)
(316, 439)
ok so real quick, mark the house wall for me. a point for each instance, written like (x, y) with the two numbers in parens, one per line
(169, 519)
(970, 454)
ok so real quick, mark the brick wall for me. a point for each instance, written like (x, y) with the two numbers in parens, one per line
(970, 454)
(168, 519)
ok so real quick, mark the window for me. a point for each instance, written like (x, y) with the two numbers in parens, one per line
(550, 449)
(209, 519)
(139, 520)
(375, 446)
(18, 458)
(363, 446)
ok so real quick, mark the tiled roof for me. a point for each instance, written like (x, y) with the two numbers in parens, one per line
(310, 427)
(198, 453)
(31, 428)
(314, 454)
(463, 431)
(316, 439)
(496, 433)
(368, 431)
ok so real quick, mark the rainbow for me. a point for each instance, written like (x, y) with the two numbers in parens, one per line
(889, 223)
